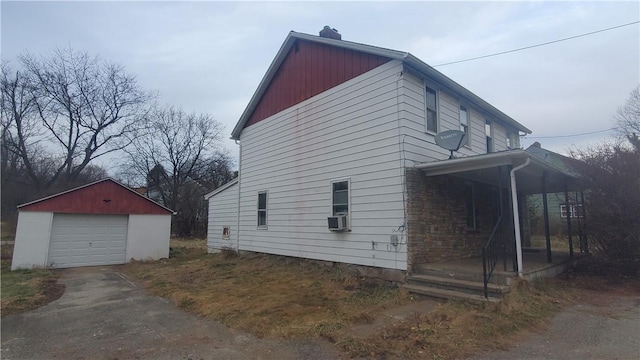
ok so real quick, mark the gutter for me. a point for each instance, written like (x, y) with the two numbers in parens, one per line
(516, 215)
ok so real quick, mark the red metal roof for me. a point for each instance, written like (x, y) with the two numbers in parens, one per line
(105, 196)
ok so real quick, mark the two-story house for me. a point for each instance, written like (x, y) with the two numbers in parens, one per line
(341, 131)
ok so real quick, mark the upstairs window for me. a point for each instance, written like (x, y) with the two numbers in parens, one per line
(340, 197)
(432, 110)
(488, 130)
(262, 210)
(511, 141)
(464, 123)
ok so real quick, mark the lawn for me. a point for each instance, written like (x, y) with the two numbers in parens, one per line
(274, 296)
(24, 290)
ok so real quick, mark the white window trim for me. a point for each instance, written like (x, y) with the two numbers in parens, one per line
(431, 86)
(491, 134)
(467, 144)
(266, 211)
(574, 208)
(348, 180)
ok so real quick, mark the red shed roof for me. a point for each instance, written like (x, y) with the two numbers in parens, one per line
(105, 196)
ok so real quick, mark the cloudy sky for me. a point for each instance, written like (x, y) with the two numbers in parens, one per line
(209, 57)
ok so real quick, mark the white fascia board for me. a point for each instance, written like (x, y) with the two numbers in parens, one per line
(221, 189)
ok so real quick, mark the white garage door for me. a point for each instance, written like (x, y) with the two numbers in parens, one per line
(85, 240)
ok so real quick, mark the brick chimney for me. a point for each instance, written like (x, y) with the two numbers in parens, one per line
(329, 33)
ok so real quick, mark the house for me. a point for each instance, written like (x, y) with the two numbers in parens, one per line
(338, 162)
(101, 223)
(560, 205)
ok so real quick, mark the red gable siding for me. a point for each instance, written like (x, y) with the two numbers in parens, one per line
(309, 69)
(105, 197)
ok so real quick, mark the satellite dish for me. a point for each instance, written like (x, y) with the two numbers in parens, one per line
(451, 140)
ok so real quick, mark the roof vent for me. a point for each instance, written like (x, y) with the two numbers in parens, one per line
(330, 33)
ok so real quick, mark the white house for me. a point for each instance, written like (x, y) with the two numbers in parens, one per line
(341, 128)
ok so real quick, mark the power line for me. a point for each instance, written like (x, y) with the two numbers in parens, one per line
(538, 45)
(566, 136)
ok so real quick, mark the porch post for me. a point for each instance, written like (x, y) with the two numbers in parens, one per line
(568, 207)
(546, 216)
(580, 232)
(584, 222)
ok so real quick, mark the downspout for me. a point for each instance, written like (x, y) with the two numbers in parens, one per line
(239, 187)
(516, 215)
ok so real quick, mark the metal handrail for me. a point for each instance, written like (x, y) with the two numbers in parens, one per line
(490, 256)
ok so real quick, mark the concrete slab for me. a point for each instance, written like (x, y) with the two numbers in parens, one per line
(103, 315)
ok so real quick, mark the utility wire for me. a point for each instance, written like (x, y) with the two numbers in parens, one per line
(538, 45)
(566, 136)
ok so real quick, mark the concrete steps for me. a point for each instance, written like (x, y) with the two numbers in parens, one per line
(462, 286)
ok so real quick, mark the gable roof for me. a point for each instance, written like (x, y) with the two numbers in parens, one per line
(106, 196)
(415, 63)
(221, 189)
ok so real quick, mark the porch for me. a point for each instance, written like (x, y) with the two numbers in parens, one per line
(468, 222)
(464, 278)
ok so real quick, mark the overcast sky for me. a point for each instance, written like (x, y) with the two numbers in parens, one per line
(209, 57)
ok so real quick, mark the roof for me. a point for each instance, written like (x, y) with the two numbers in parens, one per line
(91, 199)
(475, 167)
(221, 189)
(415, 63)
(557, 160)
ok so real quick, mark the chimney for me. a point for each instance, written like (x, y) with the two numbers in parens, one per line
(329, 33)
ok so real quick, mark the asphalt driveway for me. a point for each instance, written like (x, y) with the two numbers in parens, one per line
(102, 315)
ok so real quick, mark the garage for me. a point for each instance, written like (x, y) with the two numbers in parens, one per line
(102, 223)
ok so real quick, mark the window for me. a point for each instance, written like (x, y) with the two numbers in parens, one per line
(262, 210)
(340, 197)
(226, 233)
(432, 110)
(488, 131)
(470, 204)
(575, 210)
(511, 141)
(464, 124)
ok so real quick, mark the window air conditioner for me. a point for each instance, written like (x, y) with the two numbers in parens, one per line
(337, 223)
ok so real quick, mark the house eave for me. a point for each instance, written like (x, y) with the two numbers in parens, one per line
(510, 157)
(405, 57)
(221, 189)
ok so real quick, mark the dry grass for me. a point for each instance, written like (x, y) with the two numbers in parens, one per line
(266, 295)
(24, 290)
(558, 243)
(294, 298)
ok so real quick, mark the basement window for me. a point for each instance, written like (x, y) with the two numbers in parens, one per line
(226, 233)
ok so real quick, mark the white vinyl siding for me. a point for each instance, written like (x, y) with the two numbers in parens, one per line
(349, 131)
(418, 147)
(223, 212)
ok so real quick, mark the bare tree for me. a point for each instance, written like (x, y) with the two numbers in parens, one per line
(628, 118)
(86, 108)
(170, 161)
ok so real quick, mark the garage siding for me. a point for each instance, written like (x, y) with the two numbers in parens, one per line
(85, 240)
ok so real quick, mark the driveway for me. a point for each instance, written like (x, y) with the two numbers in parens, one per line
(102, 315)
(606, 328)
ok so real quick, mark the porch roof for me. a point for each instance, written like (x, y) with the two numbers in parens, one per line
(484, 168)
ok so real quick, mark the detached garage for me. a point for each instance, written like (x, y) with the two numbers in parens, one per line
(102, 223)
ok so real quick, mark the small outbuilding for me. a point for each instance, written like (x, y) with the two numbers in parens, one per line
(102, 223)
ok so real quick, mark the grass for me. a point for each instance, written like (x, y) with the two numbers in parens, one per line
(23, 290)
(273, 296)
(266, 295)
